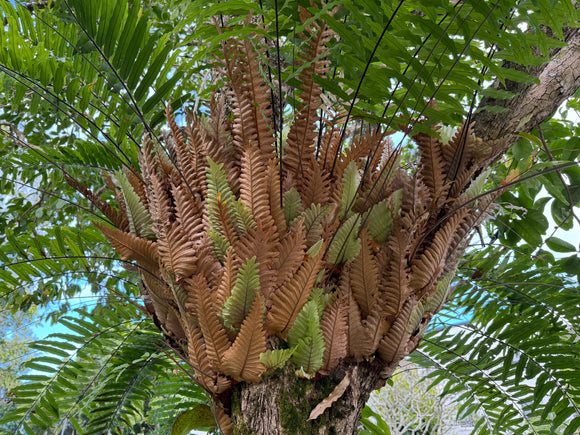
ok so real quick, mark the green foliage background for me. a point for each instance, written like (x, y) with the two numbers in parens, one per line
(83, 81)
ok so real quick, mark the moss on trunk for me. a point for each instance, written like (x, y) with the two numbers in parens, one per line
(282, 403)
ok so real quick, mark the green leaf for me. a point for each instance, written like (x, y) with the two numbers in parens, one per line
(306, 338)
(346, 245)
(292, 205)
(140, 220)
(274, 359)
(559, 245)
(350, 183)
(239, 304)
(373, 422)
(200, 417)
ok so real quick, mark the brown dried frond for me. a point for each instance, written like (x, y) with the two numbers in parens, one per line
(224, 421)
(364, 276)
(228, 278)
(207, 261)
(464, 177)
(329, 146)
(394, 344)
(147, 159)
(184, 158)
(119, 220)
(196, 352)
(334, 326)
(292, 250)
(394, 281)
(458, 152)
(242, 360)
(359, 150)
(214, 333)
(198, 141)
(177, 135)
(236, 69)
(254, 186)
(316, 186)
(260, 97)
(274, 197)
(177, 253)
(429, 265)
(165, 310)
(302, 133)
(431, 166)
(289, 300)
(160, 207)
(376, 187)
(364, 335)
(262, 244)
(225, 219)
(216, 135)
(137, 184)
(188, 214)
(357, 337)
(131, 247)
(475, 217)
(414, 215)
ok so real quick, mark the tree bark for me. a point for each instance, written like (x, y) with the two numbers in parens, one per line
(282, 403)
(533, 103)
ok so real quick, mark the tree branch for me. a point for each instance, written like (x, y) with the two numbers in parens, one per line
(533, 103)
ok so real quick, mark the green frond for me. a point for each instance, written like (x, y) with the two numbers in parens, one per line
(346, 244)
(242, 217)
(239, 304)
(415, 318)
(350, 184)
(307, 339)
(435, 301)
(292, 205)
(380, 220)
(477, 185)
(313, 218)
(140, 221)
(217, 183)
(315, 249)
(97, 376)
(274, 359)
(321, 299)
(200, 417)
(219, 243)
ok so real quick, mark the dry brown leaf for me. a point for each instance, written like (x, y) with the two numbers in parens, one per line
(289, 300)
(364, 276)
(242, 360)
(334, 326)
(332, 397)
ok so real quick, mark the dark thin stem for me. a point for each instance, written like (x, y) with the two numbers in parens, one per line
(560, 176)
(135, 106)
(376, 47)
(77, 257)
(281, 126)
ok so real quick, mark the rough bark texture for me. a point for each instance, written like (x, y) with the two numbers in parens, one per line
(533, 103)
(281, 403)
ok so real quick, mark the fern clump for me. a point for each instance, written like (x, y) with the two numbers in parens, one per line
(253, 257)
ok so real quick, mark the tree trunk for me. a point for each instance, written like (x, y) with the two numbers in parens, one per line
(282, 403)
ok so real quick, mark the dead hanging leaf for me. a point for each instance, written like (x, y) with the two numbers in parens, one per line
(332, 397)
